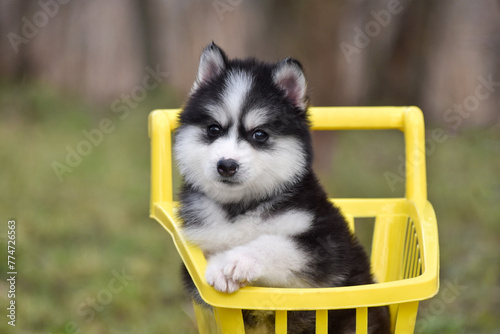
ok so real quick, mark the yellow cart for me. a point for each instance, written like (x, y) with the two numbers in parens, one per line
(404, 255)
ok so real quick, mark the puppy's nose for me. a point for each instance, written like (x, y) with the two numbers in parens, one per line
(227, 167)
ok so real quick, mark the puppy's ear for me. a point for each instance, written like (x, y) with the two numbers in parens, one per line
(289, 77)
(212, 62)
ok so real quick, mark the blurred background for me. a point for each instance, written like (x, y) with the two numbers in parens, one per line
(78, 79)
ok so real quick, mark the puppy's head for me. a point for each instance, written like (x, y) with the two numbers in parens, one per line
(244, 133)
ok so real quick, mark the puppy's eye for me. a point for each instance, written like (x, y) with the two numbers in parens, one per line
(214, 130)
(260, 136)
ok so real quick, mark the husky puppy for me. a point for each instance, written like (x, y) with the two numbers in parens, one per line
(250, 199)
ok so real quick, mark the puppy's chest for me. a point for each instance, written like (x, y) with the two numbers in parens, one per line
(215, 230)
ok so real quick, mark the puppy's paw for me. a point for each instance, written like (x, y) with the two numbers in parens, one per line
(242, 267)
(216, 278)
(232, 270)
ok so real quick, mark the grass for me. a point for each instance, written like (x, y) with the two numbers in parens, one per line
(89, 259)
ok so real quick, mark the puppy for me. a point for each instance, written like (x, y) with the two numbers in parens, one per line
(250, 200)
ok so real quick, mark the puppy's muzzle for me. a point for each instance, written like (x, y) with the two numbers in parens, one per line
(227, 167)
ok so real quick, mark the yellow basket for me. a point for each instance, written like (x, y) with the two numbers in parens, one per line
(404, 255)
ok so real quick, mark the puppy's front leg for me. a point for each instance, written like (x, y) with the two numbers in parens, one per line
(269, 260)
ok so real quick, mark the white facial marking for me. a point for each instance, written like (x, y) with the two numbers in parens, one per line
(255, 118)
(236, 89)
(220, 114)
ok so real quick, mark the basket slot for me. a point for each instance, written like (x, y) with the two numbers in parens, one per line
(412, 262)
(407, 255)
(363, 228)
(321, 321)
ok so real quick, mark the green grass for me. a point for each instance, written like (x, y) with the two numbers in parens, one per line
(74, 236)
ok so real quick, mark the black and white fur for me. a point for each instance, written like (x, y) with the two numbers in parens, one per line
(250, 199)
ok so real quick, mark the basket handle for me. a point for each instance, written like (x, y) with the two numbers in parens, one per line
(409, 120)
